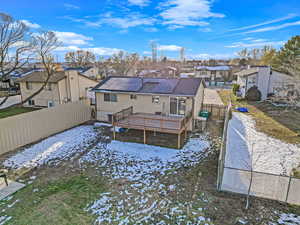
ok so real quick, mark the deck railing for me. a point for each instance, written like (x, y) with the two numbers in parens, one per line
(126, 117)
(186, 119)
(122, 114)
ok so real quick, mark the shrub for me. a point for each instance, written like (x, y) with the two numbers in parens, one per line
(235, 88)
(253, 94)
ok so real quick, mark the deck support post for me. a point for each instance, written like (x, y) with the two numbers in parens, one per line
(114, 127)
(178, 140)
(185, 133)
(145, 140)
(114, 132)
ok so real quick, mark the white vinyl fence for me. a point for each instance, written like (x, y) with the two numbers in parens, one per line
(264, 185)
(26, 128)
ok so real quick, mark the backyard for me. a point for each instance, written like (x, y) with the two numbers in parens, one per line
(81, 176)
(278, 122)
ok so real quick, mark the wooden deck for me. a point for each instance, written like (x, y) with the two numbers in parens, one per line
(141, 121)
(151, 122)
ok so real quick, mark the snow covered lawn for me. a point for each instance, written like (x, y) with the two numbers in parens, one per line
(145, 197)
(53, 149)
(270, 155)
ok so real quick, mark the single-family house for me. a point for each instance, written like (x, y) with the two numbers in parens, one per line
(214, 73)
(267, 80)
(91, 71)
(167, 105)
(63, 86)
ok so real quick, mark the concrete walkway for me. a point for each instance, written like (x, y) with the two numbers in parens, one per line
(212, 97)
(12, 187)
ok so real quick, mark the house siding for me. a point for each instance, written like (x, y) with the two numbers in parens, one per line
(42, 98)
(72, 88)
(265, 81)
(142, 104)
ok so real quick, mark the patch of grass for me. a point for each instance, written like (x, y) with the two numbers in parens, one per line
(280, 125)
(58, 202)
(14, 111)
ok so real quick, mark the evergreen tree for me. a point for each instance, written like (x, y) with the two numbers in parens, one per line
(288, 58)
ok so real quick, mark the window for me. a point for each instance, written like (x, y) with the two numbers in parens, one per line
(28, 85)
(134, 97)
(50, 104)
(155, 99)
(110, 97)
(31, 102)
(109, 118)
(177, 106)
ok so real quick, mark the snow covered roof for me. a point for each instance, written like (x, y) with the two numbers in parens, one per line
(172, 86)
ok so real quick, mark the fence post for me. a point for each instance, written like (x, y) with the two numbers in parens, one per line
(288, 190)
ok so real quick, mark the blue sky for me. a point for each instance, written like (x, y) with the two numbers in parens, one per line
(206, 29)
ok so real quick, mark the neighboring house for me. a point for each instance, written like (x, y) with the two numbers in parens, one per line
(166, 97)
(63, 87)
(91, 72)
(214, 73)
(167, 72)
(268, 81)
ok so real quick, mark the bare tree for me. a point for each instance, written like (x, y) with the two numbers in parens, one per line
(123, 62)
(43, 45)
(80, 58)
(14, 47)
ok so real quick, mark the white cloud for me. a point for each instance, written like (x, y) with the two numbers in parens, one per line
(71, 38)
(71, 6)
(67, 48)
(139, 2)
(131, 20)
(248, 38)
(179, 13)
(255, 44)
(20, 44)
(147, 52)
(271, 28)
(169, 47)
(206, 56)
(96, 50)
(125, 22)
(289, 16)
(258, 40)
(31, 25)
(104, 51)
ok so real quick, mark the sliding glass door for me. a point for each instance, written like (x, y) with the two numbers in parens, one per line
(177, 106)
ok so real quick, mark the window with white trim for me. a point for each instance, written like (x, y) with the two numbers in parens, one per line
(155, 99)
(28, 85)
(31, 102)
(109, 97)
(133, 97)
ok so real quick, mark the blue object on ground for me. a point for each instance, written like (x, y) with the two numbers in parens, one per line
(242, 109)
(122, 130)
